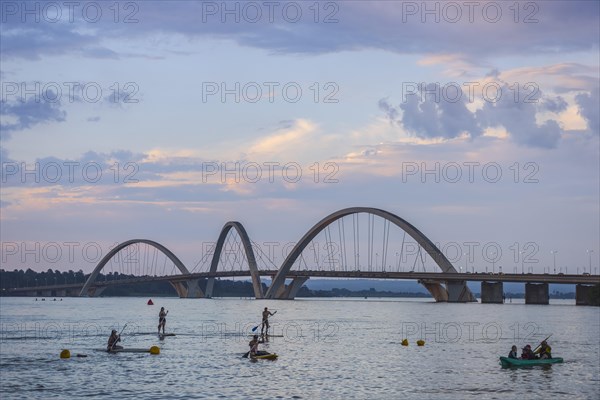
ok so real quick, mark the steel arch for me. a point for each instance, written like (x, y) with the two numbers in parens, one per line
(423, 241)
(120, 247)
(258, 292)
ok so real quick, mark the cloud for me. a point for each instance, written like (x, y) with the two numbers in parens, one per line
(32, 41)
(434, 112)
(437, 117)
(548, 27)
(589, 104)
(519, 119)
(291, 136)
(558, 78)
(23, 114)
(91, 168)
(555, 105)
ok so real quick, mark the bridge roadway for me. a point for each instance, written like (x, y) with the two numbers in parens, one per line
(425, 276)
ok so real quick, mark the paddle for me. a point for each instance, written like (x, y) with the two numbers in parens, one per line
(256, 327)
(119, 337)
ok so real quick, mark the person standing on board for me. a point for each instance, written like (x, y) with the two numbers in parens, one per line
(265, 321)
(162, 319)
(112, 341)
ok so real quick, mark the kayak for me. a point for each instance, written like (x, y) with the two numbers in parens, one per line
(516, 362)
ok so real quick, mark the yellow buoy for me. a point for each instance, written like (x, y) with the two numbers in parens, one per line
(65, 354)
(405, 342)
(154, 350)
(420, 343)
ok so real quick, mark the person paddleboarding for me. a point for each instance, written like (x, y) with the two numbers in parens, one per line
(265, 321)
(112, 341)
(162, 319)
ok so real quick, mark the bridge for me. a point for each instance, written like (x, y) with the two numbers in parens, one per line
(356, 258)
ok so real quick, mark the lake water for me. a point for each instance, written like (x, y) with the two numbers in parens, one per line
(330, 349)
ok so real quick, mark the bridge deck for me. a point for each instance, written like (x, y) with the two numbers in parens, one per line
(432, 276)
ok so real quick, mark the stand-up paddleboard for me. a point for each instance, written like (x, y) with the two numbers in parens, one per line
(166, 334)
(265, 335)
(128, 350)
(152, 350)
(269, 356)
(261, 355)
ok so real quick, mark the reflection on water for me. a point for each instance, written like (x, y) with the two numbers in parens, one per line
(334, 349)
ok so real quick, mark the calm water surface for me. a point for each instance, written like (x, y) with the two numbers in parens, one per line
(330, 349)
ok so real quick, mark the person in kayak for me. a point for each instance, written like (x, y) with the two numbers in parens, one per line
(513, 352)
(527, 354)
(545, 351)
(112, 341)
(162, 319)
(265, 321)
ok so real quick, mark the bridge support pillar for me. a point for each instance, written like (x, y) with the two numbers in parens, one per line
(187, 289)
(439, 292)
(292, 289)
(536, 293)
(492, 292)
(96, 291)
(61, 293)
(180, 289)
(584, 295)
(458, 292)
(193, 290)
(210, 285)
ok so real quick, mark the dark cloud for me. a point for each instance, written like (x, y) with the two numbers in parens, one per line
(91, 168)
(27, 113)
(390, 111)
(430, 116)
(433, 114)
(518, 118)
(548, 27)
(32, 41)
(589, 108)
(427, 114)
(555, 105)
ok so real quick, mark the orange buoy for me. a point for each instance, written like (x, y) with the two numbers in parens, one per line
(150, 303)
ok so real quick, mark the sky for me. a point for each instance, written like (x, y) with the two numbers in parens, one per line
(477, 122)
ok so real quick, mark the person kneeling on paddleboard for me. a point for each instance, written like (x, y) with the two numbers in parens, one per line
(112, 341)
(253, 345)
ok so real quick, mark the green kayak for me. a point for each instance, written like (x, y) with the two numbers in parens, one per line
(516, 362)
